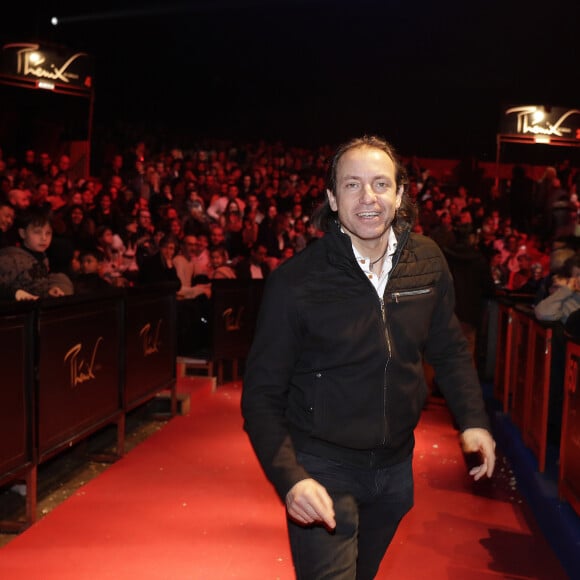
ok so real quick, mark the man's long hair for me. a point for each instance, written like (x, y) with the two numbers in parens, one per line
(324, 216)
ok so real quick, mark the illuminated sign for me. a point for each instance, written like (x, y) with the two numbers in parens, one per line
(45, 67)
(540, 124)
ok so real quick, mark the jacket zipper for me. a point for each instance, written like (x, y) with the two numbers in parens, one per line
(396, 257)
(397, 295)
(388, 346)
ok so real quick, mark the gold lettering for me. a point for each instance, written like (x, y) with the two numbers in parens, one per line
(150, 341)
(32, 62)
(232, 323)
(528, 123)
(81, 370)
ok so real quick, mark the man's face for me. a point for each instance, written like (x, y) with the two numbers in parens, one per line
(36, 238)
(64, 163)
(190, 244)
(116, 182)
(259, 255)
(45, 159)
(366, 196)
(217, 236)
(106, 202)
(6, 218)
(512, 243)
(21, 198)
(144, 219)
(88, 196)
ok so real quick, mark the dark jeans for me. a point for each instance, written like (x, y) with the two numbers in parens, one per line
(368, 504)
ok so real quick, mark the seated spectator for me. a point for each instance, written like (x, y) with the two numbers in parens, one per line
(107, 214)
(275, 237)
(79, 227)
(510, 250)
(443, 233)
(160, 267)
(219, 262)
(219, 205)
(130, 244)
(565, 293)
(519, 277)
(158, 204)
(428, 217)
(175, 228)
(298, 236)
(499, 272)
(287, 253)
(20, 199)
(185, 263)
(196, 222)
(254, 267)
(6, 221)
(534, 283)
(249, 233)
(89, 279)
(201, 259)
(112, 248)
(232, 224)
(24, 271)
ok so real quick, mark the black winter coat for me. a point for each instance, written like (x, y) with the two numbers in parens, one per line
(338, 372)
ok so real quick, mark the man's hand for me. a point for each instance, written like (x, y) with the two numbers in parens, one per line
(479, 441)
(308, 502)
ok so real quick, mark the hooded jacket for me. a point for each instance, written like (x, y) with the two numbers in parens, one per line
(338, 372)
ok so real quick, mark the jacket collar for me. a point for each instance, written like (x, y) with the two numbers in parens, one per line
(340, 250)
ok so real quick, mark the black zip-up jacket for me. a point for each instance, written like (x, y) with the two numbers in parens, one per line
(337, 372)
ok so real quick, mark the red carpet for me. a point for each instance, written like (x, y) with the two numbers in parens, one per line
(192, 503)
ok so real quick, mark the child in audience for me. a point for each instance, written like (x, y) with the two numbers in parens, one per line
(89, 279)
(24, 269)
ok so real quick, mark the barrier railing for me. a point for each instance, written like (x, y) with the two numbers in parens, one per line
(17, 434)
(535, 428)
(528, 386)
(569, 474)
(73, 365)
(503, 361)
(520, 368)
(233, 312)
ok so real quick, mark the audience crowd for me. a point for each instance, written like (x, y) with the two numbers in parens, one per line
(240, 211)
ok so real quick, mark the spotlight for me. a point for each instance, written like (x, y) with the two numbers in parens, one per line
(54, 21)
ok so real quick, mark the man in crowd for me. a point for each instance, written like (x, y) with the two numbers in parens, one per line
(334, 382)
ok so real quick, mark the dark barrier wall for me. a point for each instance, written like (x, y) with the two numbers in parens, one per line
(16, 362)
(149, 342)
(63, 366)
(79, 368)
(234, 307)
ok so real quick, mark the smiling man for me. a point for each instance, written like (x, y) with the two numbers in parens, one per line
(334, 382)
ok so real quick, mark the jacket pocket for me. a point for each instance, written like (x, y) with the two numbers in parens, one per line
(410, 294)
